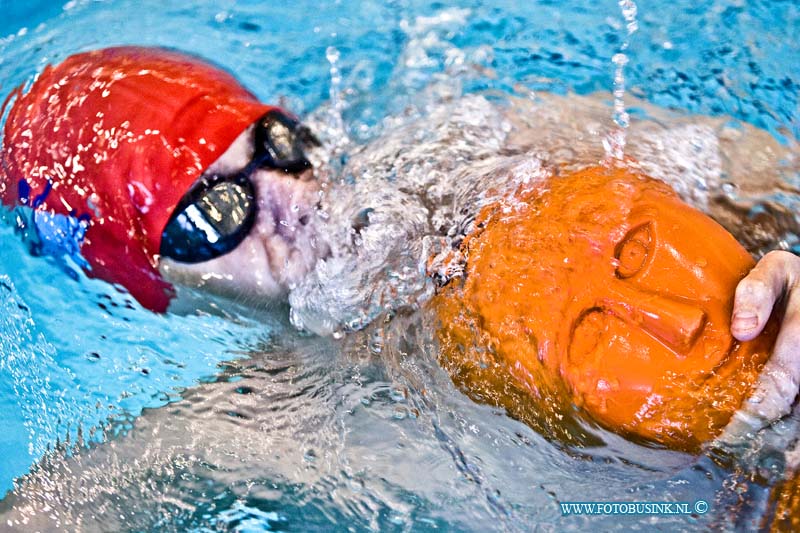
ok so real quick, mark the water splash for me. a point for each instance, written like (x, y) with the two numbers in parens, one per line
(399, 195)
(30, 362)
(614, 142)
(337, 133)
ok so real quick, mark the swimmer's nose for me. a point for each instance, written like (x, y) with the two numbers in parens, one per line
(675, 323)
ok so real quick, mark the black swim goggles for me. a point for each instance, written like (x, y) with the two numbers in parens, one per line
(219, 211)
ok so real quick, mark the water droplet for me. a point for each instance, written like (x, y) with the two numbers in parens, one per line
(397, 395)
(614, 142)
(376, 342)
(332, 55)
(397, 519)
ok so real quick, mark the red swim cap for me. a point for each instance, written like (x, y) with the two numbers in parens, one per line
(116, 137)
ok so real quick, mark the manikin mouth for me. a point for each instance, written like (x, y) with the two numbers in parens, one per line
(677, 324)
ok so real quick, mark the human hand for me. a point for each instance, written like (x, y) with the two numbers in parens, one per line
(774, 282)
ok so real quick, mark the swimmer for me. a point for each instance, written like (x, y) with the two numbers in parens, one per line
(149, 167)
(163, 172)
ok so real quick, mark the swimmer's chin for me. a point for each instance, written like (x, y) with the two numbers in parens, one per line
(256, 290)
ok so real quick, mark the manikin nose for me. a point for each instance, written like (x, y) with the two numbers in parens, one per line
(675, 323)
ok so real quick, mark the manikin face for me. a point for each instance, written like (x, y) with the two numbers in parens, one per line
(608, 287)
(279, 249)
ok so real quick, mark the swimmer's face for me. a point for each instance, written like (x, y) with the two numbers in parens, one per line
(610, 283)
(247, 230)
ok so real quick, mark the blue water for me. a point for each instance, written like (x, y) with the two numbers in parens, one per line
(80, 360)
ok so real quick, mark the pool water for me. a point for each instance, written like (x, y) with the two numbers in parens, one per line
(232, 419)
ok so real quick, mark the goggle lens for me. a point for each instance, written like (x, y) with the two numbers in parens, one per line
(211, 221)
(279, 141)
(217, 214)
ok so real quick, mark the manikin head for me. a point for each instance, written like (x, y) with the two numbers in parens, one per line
(604, 290)
(157, 166)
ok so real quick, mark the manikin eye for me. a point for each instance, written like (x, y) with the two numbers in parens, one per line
(632, 252)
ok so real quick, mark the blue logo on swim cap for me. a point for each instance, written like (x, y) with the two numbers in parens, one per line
(49, 233)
